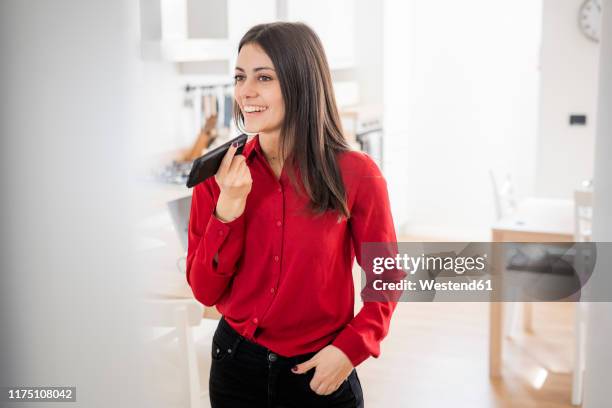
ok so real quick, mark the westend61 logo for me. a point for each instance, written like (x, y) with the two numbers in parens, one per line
(485, 271)
(411, 263)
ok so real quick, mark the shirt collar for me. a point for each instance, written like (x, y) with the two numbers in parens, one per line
(251, 147)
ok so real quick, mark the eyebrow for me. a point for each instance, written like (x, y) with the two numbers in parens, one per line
(255, 69)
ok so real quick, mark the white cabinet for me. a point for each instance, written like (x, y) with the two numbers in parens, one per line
(208, 30)
(198, 30)
(244, 14)
(186, 50)
(333, 21)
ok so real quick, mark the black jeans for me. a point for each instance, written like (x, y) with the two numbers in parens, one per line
(247, 375)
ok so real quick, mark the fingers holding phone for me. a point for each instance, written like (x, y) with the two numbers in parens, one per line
(234, 180)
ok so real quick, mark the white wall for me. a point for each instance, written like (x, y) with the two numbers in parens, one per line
(599, 354)
(67, 287)
(369, 31)
(167, 123)
(568, 85)
(461, 91)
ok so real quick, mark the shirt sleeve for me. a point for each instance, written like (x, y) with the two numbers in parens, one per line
(370, 221)
(214, 247)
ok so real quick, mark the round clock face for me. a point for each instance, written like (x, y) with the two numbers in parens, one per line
(589, 19)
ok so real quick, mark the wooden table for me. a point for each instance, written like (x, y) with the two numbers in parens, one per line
(535, 220)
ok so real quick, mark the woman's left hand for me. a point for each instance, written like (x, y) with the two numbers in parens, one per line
(331, 366)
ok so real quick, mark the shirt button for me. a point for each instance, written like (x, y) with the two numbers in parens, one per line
(220, 232)
(276, 258)
(255, 320)
(280, 190)
(278, 223)
(272, 290)
(272, 357)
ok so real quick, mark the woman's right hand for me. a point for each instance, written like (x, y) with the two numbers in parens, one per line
(234, 180)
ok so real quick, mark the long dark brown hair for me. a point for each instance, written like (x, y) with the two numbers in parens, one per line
(311, 133)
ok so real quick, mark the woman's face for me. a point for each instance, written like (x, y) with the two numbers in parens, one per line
(258, 91)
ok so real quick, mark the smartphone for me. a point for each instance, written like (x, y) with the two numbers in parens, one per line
(207, 165)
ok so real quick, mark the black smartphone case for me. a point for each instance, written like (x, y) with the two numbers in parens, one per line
(207, 165)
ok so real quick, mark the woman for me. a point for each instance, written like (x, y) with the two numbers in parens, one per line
(272, 237)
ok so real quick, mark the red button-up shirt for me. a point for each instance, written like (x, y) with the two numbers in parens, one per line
(283, 278)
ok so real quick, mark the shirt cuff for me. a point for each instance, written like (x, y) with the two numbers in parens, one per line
(351, 343)
(220, 229)
(217, 232)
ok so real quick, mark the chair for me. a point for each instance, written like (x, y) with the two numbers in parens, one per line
(583, 216)
(505, 202)
(503, 196)
(181, 315)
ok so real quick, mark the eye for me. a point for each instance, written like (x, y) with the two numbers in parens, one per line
(265, 78)
(238, 78)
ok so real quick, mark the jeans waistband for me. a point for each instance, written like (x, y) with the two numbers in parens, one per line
(240, 342)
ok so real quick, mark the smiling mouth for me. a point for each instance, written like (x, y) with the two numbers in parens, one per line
(253, 109)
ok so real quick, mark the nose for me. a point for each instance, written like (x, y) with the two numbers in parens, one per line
(246, 89)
